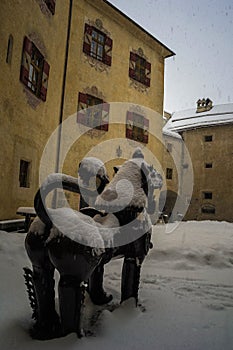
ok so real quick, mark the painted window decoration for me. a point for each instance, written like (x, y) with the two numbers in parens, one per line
(139, 69)
(51, 5)
(97, 116)
(24, 173)
(169, 174)
(34, 72)
(137, 127)
(97, 44)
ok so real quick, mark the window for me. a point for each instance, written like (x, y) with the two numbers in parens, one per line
(97, 116)
(97, 44)
(208, 209)
(208, 138)
(139, 69)
(208, 165)
(207, 195)
(51, 5)
(137, 127)
(24, 173)
(34, 72)
(169, 173)
(9, 49)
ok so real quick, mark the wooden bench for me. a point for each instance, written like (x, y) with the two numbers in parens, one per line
(29, 213)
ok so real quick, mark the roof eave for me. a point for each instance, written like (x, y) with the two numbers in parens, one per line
(192, 127)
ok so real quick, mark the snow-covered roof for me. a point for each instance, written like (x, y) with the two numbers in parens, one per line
(190, 119)
(170, 133)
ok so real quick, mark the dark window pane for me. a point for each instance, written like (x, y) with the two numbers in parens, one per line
(208, 138)
(24, 173)
(140, 69)
(97, 45)
(35, 71)
(207, 195)
(169, 173)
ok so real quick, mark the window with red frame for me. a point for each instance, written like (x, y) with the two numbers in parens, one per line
(97, 44)
(139, 69)
(34, 71)
(93, 112)
(137, 127)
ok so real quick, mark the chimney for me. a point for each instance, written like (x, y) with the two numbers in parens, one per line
(204, 105)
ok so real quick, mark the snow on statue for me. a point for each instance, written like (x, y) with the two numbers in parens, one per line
(79, 244)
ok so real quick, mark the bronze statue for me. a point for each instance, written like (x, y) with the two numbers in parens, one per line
(79, 244)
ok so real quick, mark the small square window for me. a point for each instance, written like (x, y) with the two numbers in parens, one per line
(24, 173)
(169, 172)
(208, 165)
(207, 195)
(208, 138)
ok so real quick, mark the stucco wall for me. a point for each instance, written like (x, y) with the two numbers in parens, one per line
(218, 179)
(27, 123)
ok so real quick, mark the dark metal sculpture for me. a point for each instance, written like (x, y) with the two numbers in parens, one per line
(47, 251)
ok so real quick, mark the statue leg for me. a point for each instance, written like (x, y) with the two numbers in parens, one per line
(75, 264)
(95, 287)
(130, 278)
(71, 301)
(47, 324)
(135, 254)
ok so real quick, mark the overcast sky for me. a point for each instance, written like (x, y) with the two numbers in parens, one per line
(200, 32)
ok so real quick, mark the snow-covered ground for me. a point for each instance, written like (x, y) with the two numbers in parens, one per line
(186, 296)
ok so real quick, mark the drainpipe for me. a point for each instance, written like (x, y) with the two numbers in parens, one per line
(54, 198)
(63, 87)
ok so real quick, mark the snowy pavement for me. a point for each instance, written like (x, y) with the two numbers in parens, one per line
(186, 296)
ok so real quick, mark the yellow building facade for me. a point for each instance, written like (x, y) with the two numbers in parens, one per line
(58, 59)
(207, 132)
(212, 196)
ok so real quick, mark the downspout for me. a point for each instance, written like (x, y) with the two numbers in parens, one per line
(63, 88)
(57, 168)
